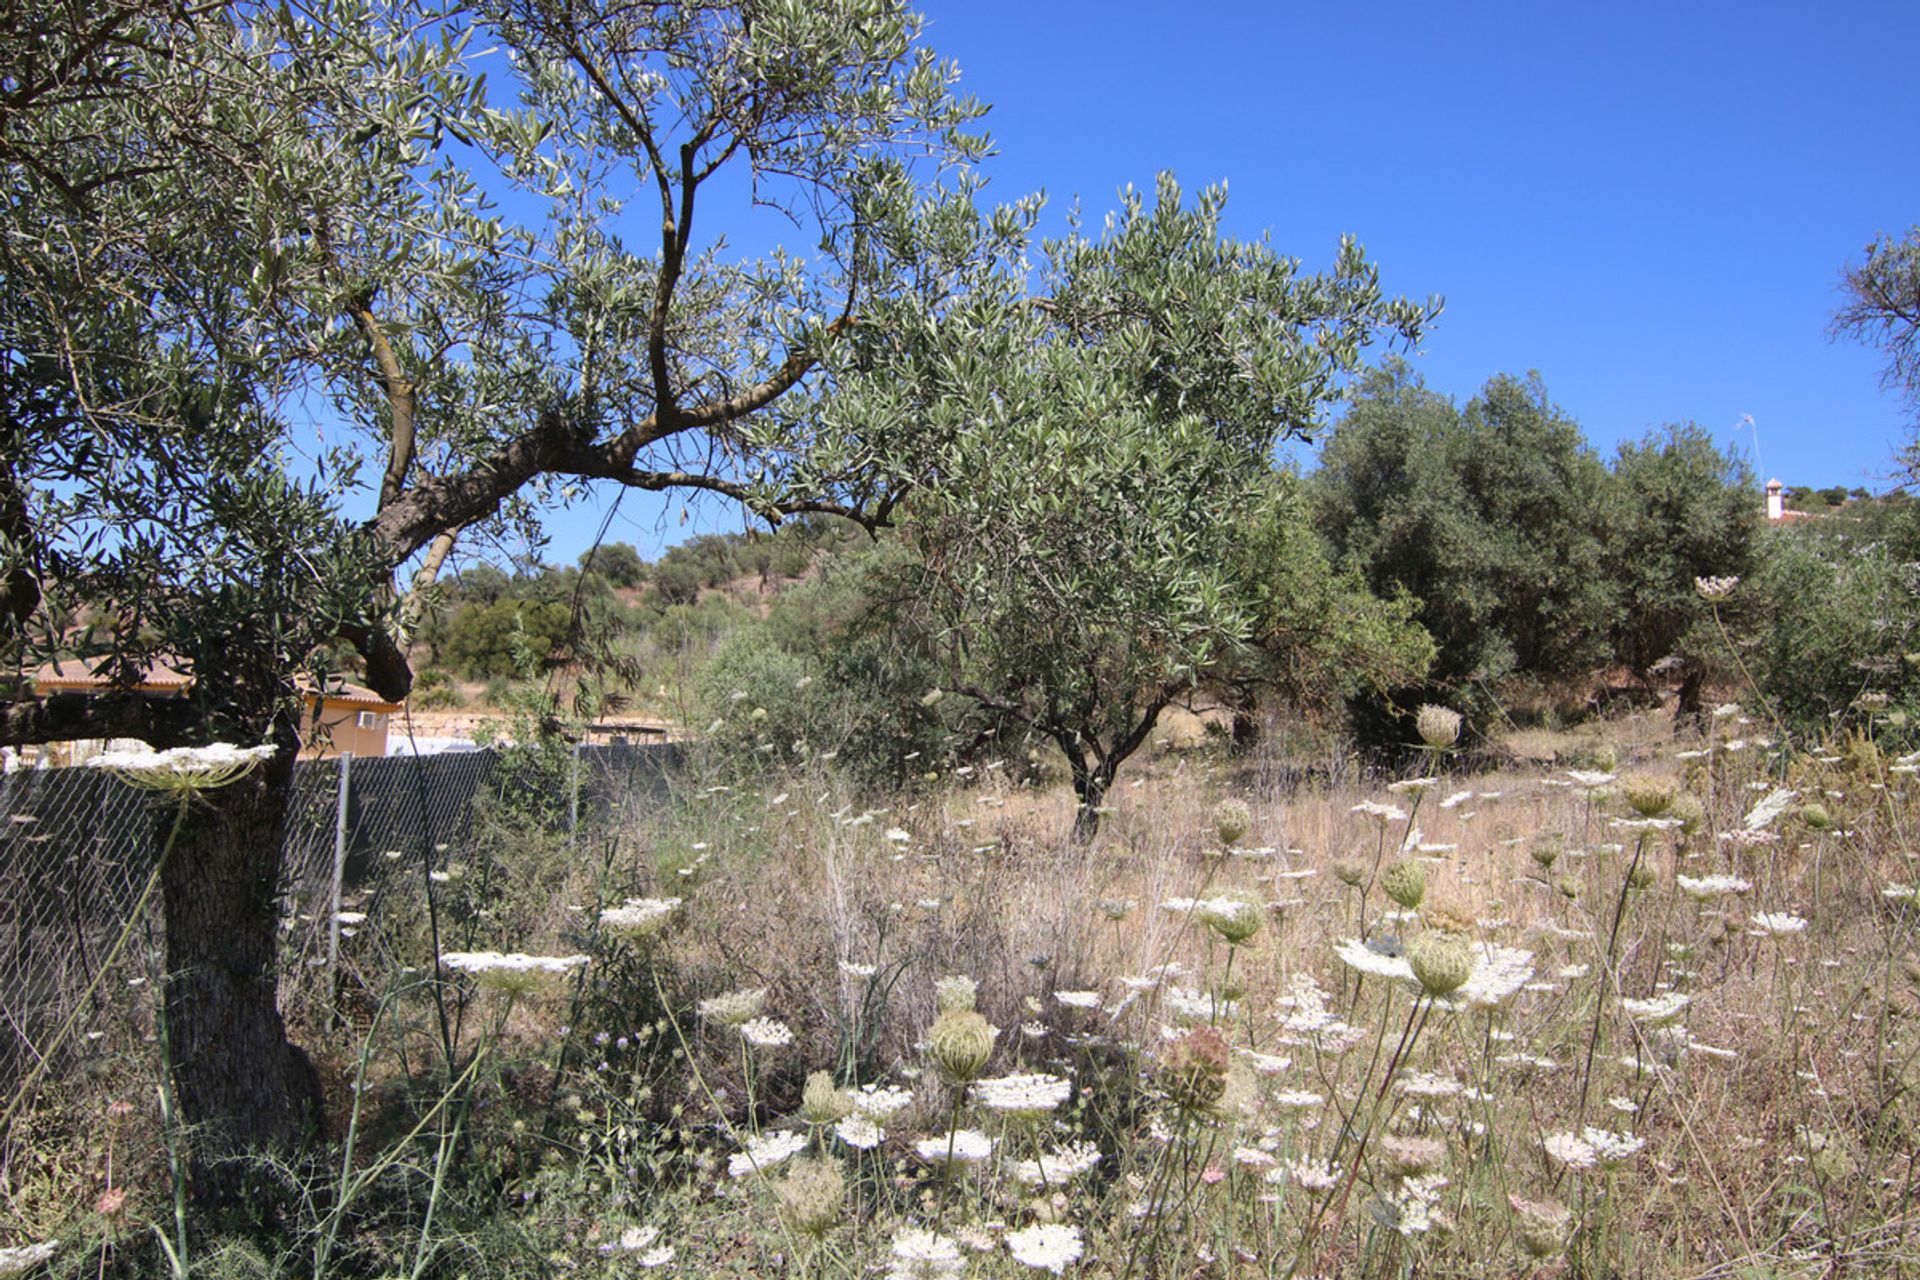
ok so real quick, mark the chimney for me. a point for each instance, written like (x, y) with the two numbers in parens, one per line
(1776, 501)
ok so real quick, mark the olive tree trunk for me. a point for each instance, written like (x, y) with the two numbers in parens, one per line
(241, 1086)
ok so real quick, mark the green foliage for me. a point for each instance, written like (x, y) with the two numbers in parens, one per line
(481, 639)
(1675, 509)
(1487, 515)
(1827, 618)
(677, 582)
(1103, 450)
(616, 562)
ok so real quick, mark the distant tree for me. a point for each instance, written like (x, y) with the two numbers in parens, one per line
(677, 580)
(480, 641)
(617, 562)
(1486, 515)
(1676, 508)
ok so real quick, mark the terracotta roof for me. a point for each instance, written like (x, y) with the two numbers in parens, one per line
(73, 674)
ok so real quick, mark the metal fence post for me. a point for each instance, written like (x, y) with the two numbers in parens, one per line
(339, 864)
(573, 795)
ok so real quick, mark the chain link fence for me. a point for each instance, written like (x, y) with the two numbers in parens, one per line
(77, 846)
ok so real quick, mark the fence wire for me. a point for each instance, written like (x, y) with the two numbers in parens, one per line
(78, 845)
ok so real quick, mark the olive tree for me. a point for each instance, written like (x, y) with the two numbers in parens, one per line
(231, 229)
(1099, 459)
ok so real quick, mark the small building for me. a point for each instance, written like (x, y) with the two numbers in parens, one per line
(343, 717)
(1778, 512)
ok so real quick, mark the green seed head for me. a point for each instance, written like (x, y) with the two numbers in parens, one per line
(1232, 820)
(812, 1195)
(822, 1102)
(1234, 916)
(1442, 962)
(960, 1044)
(1406, 883)
(1649, 796)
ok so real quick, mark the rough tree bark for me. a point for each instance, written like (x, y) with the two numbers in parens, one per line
(243, 1087)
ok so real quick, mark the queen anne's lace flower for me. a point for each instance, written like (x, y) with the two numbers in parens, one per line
(1777, 924)
(922, 1255)
(965, 1146)
(1062, 1164)
(766, 1033)
(1036, 1092)
(879, 1101)
(1499, 974)
(1078, 999)
(1050, 1246)
(735, 1007)
(766, 1151)
(1356, 954)
(512, 972)
(860, 1131)
(182, 768)
(1307, 1174)
(638, 1242)
(1707, 888)
(1658, 1010)
(20, 1257)
(639, 917)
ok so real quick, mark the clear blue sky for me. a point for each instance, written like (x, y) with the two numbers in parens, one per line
(1649, 204)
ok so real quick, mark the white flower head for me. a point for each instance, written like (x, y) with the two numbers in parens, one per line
(963, 1146)
(21, 1257)
(1022, 1093)
(1499, 974)
(182, 768)
(1609, 1148)
(735, 1007)
(1050, 1246)
(1356, 954)
(512, 972)
(923, 1255)
(766, 1151)
(639, 917)
(880, 1101)
(1657, 1011)
(860, 1131)
(766, 1033)
(1062, 1164)
(1778, 924)
(1707, 888)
